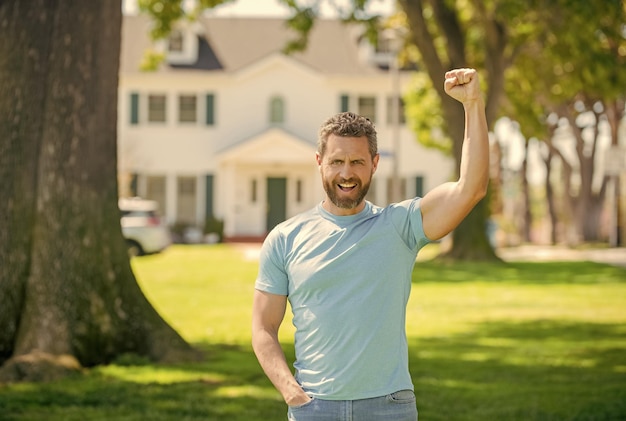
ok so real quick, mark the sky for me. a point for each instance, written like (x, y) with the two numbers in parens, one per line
(268, 8)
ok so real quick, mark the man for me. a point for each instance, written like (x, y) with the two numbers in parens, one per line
(346, 266)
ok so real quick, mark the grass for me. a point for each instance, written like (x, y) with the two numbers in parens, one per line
(522, 341)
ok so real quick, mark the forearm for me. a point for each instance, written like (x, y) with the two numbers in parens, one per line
(272, 359)
(474, 170)
(444, 207)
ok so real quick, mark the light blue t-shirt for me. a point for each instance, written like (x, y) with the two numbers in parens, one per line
(348, 280)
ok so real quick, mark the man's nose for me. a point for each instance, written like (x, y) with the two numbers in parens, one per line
(346, 170)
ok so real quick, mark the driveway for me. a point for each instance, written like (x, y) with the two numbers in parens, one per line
(612, 256)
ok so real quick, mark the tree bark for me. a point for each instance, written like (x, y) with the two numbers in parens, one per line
(68, 297)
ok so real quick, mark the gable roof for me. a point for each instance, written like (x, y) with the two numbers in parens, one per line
(273, 146)
(229, 44)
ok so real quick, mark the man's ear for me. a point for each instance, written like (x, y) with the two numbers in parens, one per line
(375, 163)
(318, 159)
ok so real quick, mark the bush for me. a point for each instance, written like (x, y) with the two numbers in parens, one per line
(212, 225)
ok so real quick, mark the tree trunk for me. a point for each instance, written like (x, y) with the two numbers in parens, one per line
(528, 217)
(550, 199)
(469, 239)
(67, 292)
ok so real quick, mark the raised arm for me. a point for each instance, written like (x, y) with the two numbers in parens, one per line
(444, 207)
(268, 311)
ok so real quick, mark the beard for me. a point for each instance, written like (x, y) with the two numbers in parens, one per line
(361, 190)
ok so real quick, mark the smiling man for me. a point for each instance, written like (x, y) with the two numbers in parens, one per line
(346, 163)
(345, 266)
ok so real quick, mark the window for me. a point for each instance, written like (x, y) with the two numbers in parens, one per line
(367, 107)
(134, 108)
(210, 110)
(277, 110)
(175, 42)
(155, 190)
(187, 108)
(186, 203)
(401, 117)
(156, 108)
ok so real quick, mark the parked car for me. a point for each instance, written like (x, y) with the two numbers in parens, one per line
(143, 228)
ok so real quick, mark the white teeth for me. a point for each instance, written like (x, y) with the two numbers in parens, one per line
(346, 186)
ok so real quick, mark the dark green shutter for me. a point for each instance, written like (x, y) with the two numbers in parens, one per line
(134, 178)
(344, 103)
(209, 196)
(210, 109)
(419, 186)
(134, 108)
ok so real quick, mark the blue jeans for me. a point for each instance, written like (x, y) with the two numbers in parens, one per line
(398, 406)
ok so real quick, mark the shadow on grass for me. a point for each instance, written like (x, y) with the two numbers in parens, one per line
(539, 370)
(518, 272)
(532, 370)
(229, 385)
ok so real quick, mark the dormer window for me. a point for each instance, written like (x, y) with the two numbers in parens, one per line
(175, 42)
(182, 47)
(390, 41)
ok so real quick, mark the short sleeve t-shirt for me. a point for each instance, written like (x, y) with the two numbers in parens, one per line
(347, 279)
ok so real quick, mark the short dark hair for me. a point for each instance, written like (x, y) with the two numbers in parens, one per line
(348, 124)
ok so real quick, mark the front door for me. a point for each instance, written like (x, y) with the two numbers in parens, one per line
(276, 201)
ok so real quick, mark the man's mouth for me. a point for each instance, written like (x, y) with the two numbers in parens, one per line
(347, 187)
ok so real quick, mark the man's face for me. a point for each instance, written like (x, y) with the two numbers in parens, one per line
(346, 168)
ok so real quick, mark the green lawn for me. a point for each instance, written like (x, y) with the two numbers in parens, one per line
(524, 341)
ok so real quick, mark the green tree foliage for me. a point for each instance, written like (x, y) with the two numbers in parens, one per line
(166, 13)
(577, 83)
(423, 111)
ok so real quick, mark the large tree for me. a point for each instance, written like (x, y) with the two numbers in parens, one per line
(572, 66)
(68, 297)
(451, 34)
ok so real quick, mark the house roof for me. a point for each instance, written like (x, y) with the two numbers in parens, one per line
(230, 44)
(272, 146)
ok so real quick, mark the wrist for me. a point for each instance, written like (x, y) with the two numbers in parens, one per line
(477, 102)
(296, 397)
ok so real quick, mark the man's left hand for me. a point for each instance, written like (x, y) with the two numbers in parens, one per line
(462, 85)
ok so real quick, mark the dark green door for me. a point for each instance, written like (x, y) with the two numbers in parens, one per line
(276, 201)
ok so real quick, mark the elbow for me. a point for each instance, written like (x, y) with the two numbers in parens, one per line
(481, 192)
(260, 336)
(478, 195)
(474, 193)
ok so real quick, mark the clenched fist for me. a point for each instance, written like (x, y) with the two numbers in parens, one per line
(462, 85)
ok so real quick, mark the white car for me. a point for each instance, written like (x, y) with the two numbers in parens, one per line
(144, 230)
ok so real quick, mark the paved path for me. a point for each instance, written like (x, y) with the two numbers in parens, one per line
(613, 256)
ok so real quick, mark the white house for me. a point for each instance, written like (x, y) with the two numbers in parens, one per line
(227, 127)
